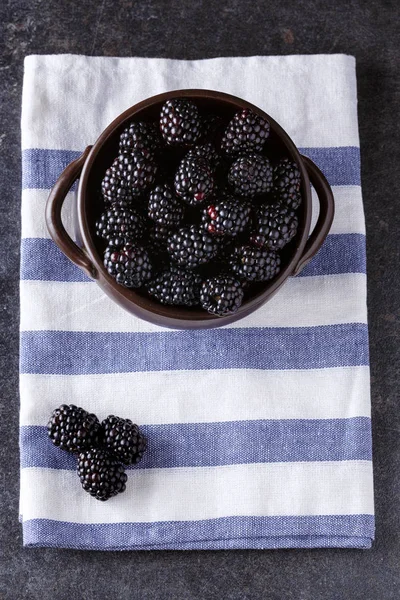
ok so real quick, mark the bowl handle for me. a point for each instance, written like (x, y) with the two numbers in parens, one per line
(53, 216)
(325, 218)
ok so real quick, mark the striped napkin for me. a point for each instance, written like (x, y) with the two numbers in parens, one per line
(259, 432)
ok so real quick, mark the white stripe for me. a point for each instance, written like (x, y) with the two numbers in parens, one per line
(349, 210)
(202, 396)
(312, 97)
(301, 302)
(349, 215)
(33, 211)
(184, 494)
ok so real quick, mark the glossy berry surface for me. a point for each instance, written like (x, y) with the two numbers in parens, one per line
(130, 265)
(180, 122)
(164, 207)
(191, 246)
(287, 175)
(274, 226)
(194, 180)
(142, 137)
(207, 152)
(72, 428)
(136, 172)
(100, 474)
(119, 226)
(226, 217)
(123, 440)
(251, 175)
(221, 295)
(246, 132)
(254, 264)
(176, 286)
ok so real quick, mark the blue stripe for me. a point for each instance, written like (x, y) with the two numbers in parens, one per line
(341, 165)
(42, 260)
(41, 167)
(80, 353)
(226, 443)
(335, 531)
(340, 253)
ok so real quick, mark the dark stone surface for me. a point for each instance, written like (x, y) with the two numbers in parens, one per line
(190, 30)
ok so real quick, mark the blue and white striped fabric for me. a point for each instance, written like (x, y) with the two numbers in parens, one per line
(259, 432)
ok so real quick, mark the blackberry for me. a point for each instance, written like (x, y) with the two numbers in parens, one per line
(251, 175)
(254, 264)
(290, 197)
(228, 216)
(130, 265)
(194, 180)
(112, 189)
(136, 172)
(142, 137)
(180, 122)
(164, 207)
(176, 286)
(123, 440)
(221, 295)
(159, 235)
(73, 429)
(245, 133)
(274, 226)
(100, 474)
(207, 152)
(287, 176)
(119, 226)
(191, 246)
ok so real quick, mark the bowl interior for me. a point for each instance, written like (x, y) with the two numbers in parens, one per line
(277, 146)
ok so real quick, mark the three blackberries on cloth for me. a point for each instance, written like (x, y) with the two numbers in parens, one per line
(196, 212)
(102, 449)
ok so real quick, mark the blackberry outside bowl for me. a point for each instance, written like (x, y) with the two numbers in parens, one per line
(90, 168)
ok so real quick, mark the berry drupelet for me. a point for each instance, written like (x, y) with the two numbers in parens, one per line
(228, 216)
(136, 172)
(274, 226)
(289, 197)
(194, 180)
(130, 265)
(254, 264)
(191, 246)
(119, 226)
(176, 286)
(100, 474)
(180, 122)
(221, 295)
(73, 429)
(112, 189)
(287, 180)
(287, 175)
(206, 152)
(164, 208)
(246, 132)
(142, 137)
(251, 175)
(123, 440)
(159, 234)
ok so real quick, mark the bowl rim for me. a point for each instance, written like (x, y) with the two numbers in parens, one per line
(172, 315)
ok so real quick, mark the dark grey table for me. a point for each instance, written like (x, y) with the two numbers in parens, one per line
(199, 29)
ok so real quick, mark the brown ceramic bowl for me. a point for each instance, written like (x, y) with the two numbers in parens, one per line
(90, 168)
